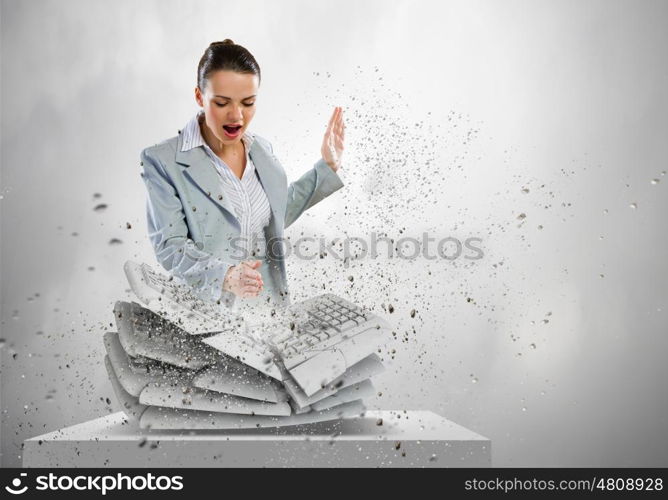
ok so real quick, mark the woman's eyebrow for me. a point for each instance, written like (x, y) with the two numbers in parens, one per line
(254, 95)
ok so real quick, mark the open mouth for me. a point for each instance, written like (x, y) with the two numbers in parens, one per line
(232, 130)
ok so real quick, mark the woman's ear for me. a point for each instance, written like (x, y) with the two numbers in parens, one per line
(198, 97)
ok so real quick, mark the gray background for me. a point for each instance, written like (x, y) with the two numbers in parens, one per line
(460, 117)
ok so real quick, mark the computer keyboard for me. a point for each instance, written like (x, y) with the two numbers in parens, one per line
(360, 371)
(146, 334)
(328, 334)
(248, 350)
(303, 355)
(158, 418)
(227, 333)
(332, 336)
(314, 341)
(331, 320)
(133, 375)
(175, 301)
(176, 396)
(233, 377)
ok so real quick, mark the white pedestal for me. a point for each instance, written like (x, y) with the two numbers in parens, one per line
(405, 439)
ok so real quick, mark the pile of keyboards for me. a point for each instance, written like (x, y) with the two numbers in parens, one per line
(178, 362)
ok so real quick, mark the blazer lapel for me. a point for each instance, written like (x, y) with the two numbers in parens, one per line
(270, 178)
(203, 174)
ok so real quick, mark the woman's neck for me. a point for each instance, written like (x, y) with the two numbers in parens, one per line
(217, 146)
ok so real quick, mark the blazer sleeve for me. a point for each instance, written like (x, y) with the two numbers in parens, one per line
(168, 233)
(315, 185)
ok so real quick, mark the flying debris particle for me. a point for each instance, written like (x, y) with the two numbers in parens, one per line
(350, 278)
(128, 225)
(115, 241)
(525, 190)
(522, 216)
(379, 422)
(532, 345)
(142, 443)
(97, 195)
(390, 308)
(655, 181)
(412, 313)
(633, 205)
(91, 268)
(100, 208)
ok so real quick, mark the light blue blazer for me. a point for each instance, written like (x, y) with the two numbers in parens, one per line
(192, 225)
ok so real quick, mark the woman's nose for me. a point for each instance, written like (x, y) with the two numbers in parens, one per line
(236, 114)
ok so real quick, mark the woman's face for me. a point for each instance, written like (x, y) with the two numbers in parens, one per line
(229, 102)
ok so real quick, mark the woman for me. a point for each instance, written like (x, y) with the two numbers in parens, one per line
(218, 198)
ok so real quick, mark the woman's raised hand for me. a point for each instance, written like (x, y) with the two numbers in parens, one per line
(243, 280)
(332, 143)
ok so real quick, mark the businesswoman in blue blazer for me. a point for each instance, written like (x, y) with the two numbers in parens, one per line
(218, 199)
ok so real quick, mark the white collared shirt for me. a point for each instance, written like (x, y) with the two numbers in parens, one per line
(248, 199)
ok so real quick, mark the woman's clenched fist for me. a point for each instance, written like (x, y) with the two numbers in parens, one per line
(243, 280)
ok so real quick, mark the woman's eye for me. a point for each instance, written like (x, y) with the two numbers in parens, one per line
(247, 104)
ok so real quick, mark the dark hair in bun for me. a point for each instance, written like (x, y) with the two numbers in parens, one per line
(227, 41)
(225, 55)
